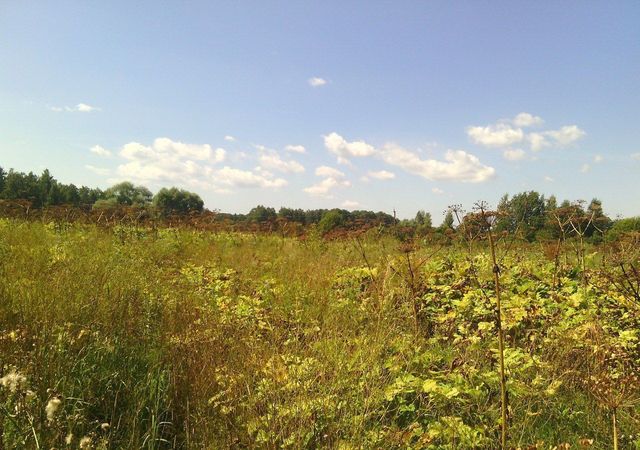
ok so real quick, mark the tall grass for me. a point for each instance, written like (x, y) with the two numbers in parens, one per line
(179, 339)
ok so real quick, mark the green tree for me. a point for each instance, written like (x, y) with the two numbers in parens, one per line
(331, 220)
(45, 185)
(624, 226)
(125, 193)
(177, 201)
(262, 214)
(69, 194)
(90, 196)
(524, 212)
(292, 215)
(3, 176)
(447, 223)
(21, 186)
(423, 219)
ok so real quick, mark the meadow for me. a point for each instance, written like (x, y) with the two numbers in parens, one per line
(136, 337)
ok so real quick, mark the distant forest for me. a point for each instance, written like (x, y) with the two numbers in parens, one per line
(529, 213)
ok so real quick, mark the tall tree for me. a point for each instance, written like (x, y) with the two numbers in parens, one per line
(524, 211)
(3, 176)
(177, 201)
(125, 193)
(45, 185)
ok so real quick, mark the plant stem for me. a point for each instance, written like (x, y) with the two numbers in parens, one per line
(615, 430)
(503, 380)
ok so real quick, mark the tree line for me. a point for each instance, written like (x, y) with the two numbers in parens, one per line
(528, 214)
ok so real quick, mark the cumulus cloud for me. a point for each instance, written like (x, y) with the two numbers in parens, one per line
(97, 170)
(563, 137)
(527, 120)
(514, 154)
(229, 138)
(83, 107)
(566, 135)
(324, 187)
(598, 158)
(344, 150)
(272, 160)
(585, 168)
(165, 150)
(537, 141)
(382, 175)
(100, 151)
(168, 161)
(326, 171)
(316, 81)
(506, 133)
(458, 165)
(295, 149)
(80, 107)
(350, 204)
(245, 178)
(498, 135)
(333, 178)
(635, 156)
(548, 179)
(436, 190)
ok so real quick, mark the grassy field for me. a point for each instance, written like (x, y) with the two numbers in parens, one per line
(137, 338)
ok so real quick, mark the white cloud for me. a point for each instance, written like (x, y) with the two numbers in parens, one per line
(566, 135)
(245, 178)
(537, 141)
(325, 171)
(527, 120)
(324, 187)
(100, 151)
(165, 150)
(80, 107)
(168, 161)
(457, 166)
(333, 179)
(295, 149)
(436, 190)
(514, 154)
(585, 168)
(229, 138)
(316, 81)
(382, 175)
(98, 170)
(350, 204)
(271, 160)
(507, 132)
(635, 156)
(548, 179)
(83, 107)
(498, 135)
(598, 158)
(337, 145)
(563, 137)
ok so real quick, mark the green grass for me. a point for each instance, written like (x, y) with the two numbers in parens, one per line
(182, 339)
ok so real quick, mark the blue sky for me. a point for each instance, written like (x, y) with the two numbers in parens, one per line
(373, 105)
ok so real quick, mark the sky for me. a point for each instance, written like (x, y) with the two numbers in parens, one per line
(399, 105)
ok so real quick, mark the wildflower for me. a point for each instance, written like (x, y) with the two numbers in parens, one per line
(68, 439)
(104, 427)
(85, 442)
(13, 381)
(52, 408)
